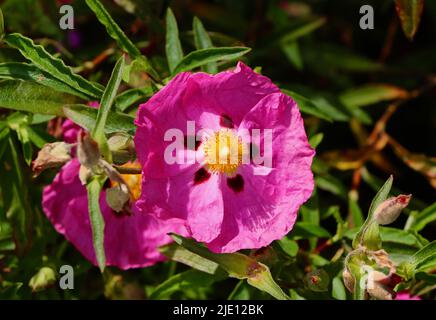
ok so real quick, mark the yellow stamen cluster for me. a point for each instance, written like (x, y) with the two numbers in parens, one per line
(224, 151)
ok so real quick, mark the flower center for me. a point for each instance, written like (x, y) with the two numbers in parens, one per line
(133, 181)
(224, 152)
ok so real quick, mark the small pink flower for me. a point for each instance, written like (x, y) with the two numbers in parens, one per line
(404, 295)
(227, 206)
(131, 239)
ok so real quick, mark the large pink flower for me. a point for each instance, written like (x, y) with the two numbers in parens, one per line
(227, 206)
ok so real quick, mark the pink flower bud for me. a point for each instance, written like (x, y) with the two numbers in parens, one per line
(389, 210)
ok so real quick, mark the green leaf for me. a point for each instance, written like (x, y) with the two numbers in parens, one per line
(173, 48)
(203, 41)
(191, 279)
(238, 266)
(368, 226)
(51, 65)
(338, 289)
(106, 103)
(306, 106)
(315, 140)
(94, 188)
(112, 28)
(131, 96)
(425, 258)
(356, 213)
(182, 255)
(27, 72)
(410, 12)
(201, 57)
(423, 218)
(292, 52)
(302, 30)
(23, 136)
(306, 230)
(2, 25)
(32, 97)
(290, 247)
(371, 94)
(86, 117)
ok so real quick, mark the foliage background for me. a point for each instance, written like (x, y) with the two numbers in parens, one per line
(351, 79)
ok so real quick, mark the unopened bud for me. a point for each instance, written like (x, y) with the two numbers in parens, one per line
(52, 155)
(88, 152)
(43, 279)
(122, 147)
(389, 210)
(117, 197)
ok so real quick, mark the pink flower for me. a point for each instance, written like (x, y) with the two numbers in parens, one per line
(131, 239)
(228, 206)
(404, 295)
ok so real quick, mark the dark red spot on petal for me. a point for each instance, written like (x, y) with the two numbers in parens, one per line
(201, 176)
(196, 143)
(236, 183)
(226, 122)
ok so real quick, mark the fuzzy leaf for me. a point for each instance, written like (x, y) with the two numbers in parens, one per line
(32, 97)
(173, 47)
(203, 41)
(53, 66)
(410, 12)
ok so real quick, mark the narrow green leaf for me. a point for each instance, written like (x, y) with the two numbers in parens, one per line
(201, 57)
(203, 41)
(2, 25)
(112, 28)
(94, 188)
(131, 96)
(191, 279)
(381, 196)
(32, 97)
(371, 94)
(86, 117)
(306, 230)
(27, 72)
(338, 289)
(238, 266)
(53, 66)
(292, 51)
(173, 47)
(303, 30)
(182, 255)
(423, 218)
(369, 228)
(425, 258)
(106, 103)
(306, 106)
(356, 213)
(315, 140)
(410, 12)
(290, 247)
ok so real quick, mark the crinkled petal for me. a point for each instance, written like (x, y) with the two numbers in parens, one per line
(130, 241)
